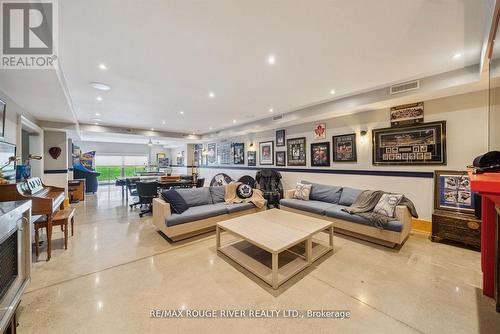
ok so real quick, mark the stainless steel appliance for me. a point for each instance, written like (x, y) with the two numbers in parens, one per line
(15, 257)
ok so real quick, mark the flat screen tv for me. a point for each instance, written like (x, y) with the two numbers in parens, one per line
(8, 150)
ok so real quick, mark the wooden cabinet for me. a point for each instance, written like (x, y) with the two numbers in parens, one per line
(76, 190)
(459, 227)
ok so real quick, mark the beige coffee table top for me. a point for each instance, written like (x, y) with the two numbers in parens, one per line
(275, 231)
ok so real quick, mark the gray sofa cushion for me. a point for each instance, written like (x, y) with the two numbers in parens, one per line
(324, 193)
(335, 211)
(349, 195)
(196, 196)
(236, 207)
(196, 213)
(317, 207)
(217, 194)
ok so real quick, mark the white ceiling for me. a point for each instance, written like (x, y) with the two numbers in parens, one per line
(166, 56)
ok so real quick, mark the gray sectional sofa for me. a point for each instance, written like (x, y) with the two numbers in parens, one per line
(206, 208)
(326, 202)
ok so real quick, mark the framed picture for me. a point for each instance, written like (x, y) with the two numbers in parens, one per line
(198, 154)
(2, 119)
(280, 138)
(320, 154)
(281, 158)
(211, 156)
(239, 153)
(296, 151)
(407, 114)
(452, 191)
(320, 131)
(251, 158)
(421, 144)
(224, 153)
(266, 153)
(344, 148)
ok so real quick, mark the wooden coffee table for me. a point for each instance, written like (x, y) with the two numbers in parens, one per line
(275, 244)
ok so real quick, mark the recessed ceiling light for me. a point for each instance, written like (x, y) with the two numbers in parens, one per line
(457, 56)
(103, 67)
(181, 112)
(96, 123)
(210, 128)
(211, 95)
(234, 121)
(152, 129)
(332, 92)
(163, 122)
(97, 114)
(100, 86)
(98, 98)
(271, 60)
(271, 109)
(96, 119)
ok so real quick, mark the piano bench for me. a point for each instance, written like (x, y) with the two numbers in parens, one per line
(63, 217)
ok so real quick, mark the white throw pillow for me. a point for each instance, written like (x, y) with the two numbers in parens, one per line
(387, 204)
(302, 191)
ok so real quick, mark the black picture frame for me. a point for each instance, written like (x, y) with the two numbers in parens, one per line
(239, 153)
(211, 154)
(421, 144)
(224, 153)
(281, 158)
(320, 154)
(266, 158)
(251, 161)
(296, 151)
(452, 191)
(3, 111)
(344, 148)
(280, 138)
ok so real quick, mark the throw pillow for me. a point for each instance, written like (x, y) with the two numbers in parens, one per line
(302, 191)
(177, 203)
(387, 204)
(244, 191)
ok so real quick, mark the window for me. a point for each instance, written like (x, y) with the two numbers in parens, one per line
(113, 166)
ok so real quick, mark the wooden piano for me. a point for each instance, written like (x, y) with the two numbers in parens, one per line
(45, 200)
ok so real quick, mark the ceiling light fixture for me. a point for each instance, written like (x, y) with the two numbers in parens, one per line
(332, 92)
(152, 129)
(97, 114)
(100, 86)
(271, 60)
(99, 98)
(211, 95)
(271, 109)
(163, 122)
(181, 112)
(103, 67)
(210, 128)
(457, 55)
(234, 121)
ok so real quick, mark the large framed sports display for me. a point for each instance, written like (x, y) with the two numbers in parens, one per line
(266, 153)
(239, 153)
(251, 160)
(211, 155)
(296, 154)
(224, 153)
(422, 144)
(344, 148)
(320, 154)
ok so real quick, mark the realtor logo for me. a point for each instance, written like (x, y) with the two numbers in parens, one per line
(29, 34)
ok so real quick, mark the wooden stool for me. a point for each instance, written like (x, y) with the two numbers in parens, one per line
(62, 217)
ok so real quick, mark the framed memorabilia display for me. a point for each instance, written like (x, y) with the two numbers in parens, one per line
(452, 191)
(296, 151)
(211, 156)
(320, 131)
(198, 154)
(280, 138)
(344, 148)
(251, 158)
(266, 153)
(421, 144)
(2, 119)
(239, 153)
(320, 154)
(281, 158)
(224, 153)
(407, 114)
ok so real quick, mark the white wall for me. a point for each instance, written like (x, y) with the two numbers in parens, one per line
(59, 166)
(467, 137)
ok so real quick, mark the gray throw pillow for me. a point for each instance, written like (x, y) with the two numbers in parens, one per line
(217, 194)
(387, 204)
(196, 196)
(349, 195)
(324, 193)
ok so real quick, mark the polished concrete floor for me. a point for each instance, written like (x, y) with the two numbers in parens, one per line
(118, 268)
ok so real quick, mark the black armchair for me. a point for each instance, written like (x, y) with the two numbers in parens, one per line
(269, 182)
(146, 192)
(131, 183)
